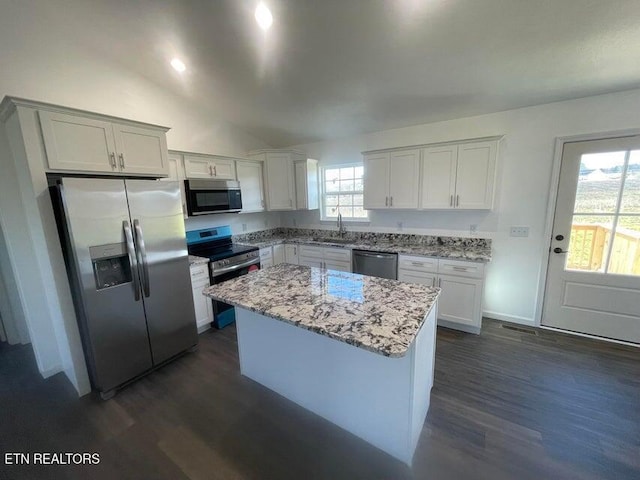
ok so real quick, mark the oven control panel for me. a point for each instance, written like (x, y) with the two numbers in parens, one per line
(237, 261)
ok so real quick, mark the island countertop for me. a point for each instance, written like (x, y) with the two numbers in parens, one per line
(376, 314)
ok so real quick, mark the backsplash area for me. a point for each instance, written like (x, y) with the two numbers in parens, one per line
(364, 237)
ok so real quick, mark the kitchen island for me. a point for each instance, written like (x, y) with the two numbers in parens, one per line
(356, 350)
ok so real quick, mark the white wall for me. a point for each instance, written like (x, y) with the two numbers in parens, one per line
(523, 186)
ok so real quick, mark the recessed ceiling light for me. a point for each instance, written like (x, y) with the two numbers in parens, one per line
(177, 64)
(263, 16)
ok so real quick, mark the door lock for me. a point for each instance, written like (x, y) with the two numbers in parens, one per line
(559, 237)
(559, 250)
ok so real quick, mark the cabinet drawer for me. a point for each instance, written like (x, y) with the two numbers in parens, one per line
(337, 265)
(422, 278)
(418, 264)
(461, 268)
(337, 254)
(266, 254)
(310, 251)
(199, 271)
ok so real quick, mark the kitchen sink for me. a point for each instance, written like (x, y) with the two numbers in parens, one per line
(343, 241)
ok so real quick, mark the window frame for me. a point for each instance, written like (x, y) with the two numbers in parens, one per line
(323, 194)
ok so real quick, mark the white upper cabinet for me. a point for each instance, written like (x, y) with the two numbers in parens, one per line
(86, 144)
(176, 174)
(251, 185)
(404, 179)
(439, 176)
(459, 176)
(209, 166)
(376, 181)
(290, 179)
(306, 180)
(475, 175)
(391, 179)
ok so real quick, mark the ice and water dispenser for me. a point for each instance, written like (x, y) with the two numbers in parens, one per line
(111, 265)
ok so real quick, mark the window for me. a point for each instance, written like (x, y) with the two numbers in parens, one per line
(342, 192)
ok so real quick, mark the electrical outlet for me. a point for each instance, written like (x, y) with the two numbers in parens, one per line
(473, 228)
(399, 226)
(519, 231)
(244, 227)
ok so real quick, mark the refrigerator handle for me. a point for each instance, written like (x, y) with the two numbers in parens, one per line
(132, 259)
(143, 258)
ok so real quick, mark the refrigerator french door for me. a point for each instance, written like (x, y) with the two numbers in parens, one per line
(126, 255)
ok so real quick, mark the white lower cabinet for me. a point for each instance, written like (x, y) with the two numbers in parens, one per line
(266, 257)
(325, 257)
(291, 254)
(202, 304)
(460, 302)
(278, 254)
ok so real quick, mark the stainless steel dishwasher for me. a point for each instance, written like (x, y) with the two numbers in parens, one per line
(375, 264)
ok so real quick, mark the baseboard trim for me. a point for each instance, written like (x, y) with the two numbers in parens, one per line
(510, 318)
(591, 337)
(51, 371)
(459, 326)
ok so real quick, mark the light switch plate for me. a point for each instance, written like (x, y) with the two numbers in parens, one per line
(519, 231)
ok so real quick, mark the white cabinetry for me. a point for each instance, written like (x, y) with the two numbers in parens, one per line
(251, 185)
(78, 143)
(391, 179)
(278, 254)
(290, 179)
(325, 257)
(176, 174)
(202, 304)
(460, 302)
(291, 254)
(306, 180)
(459, 176)
(266, 257)
(209, 166)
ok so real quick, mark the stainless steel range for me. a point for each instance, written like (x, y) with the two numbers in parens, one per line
(227, 261)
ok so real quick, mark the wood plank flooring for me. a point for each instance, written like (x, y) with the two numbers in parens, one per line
(505, 405)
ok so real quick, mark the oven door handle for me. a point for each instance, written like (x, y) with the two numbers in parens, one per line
(253, 261)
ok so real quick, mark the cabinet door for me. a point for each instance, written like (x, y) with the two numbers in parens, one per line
(280, 187)
(404, 179)
(460, 300)
(475, 175)
(438, 177)
(291, 254)
(251, 186)
(306, 179)
(376, 181)
(141, 151)
(77, 143)
(198, 167)
(203, 308)
(278, 254)
(176, 174)
(224, 169)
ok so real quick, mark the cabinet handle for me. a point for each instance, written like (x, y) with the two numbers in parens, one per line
(433, 282)
(113, 161)
(417, 264)
(210, 171)
(121, 160)
(386, 201)
(457, 200)
(391, 201)
(291, 203)
(439, 283)
(460, 269)
(215, 172)
(451, 201)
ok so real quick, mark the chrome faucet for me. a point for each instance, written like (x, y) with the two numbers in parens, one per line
(341, 228)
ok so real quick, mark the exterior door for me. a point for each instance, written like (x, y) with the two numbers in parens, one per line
(593, 279)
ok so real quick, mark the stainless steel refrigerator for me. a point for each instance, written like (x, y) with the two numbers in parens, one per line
(126, 256)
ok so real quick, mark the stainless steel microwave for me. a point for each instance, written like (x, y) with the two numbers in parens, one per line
(212, 196)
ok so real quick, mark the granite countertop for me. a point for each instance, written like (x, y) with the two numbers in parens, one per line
(376, 314)
(457, 252)
(194, 260)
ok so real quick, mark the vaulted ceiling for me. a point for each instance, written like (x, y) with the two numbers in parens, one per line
(334, 68)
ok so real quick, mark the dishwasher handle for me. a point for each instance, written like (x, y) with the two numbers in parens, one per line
(361, 253)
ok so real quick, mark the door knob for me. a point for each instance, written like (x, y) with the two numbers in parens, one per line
(559, 250)
(559, 237)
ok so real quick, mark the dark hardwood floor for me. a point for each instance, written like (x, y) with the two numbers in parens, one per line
(505, 405)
